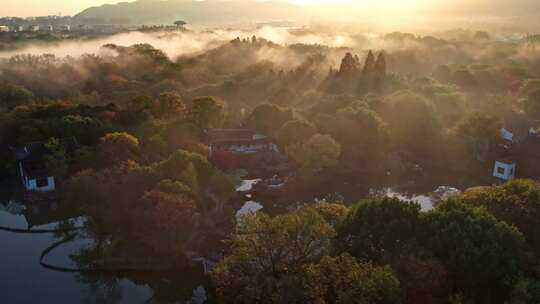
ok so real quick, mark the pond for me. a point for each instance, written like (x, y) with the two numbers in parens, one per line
(426, 201)
(426, 192)
(23, 280)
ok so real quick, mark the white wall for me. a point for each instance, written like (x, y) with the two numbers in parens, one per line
(31, 185)
(509, 170)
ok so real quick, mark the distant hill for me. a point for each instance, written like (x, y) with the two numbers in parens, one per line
(207, 12)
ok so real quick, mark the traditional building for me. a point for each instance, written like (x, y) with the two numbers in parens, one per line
(241, 148)
(34, 173)
(507, 135)
(32, 168)
(522, 151)
(505, 169)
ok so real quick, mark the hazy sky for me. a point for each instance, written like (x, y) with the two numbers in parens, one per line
(47, 7)
(70, 7)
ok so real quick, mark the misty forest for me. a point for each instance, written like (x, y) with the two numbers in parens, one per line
(313, 164)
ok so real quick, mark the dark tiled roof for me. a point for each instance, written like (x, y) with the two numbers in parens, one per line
(36, 151)
(31, 152)
(256, 141)
(35, 169)
(31, 156)
(224, 135)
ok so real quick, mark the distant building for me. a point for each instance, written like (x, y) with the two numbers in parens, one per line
(32, 168)
(34, 28)
(34, 173)
(507, 135)
(4, 28)
(241, 148)
(505, 169)
(249, 208)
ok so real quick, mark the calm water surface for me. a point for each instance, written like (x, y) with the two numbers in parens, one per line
(24, 281)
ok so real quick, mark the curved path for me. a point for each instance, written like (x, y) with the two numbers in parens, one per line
(70, 237)
(38, 231)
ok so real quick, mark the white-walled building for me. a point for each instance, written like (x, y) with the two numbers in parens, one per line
(34, 174)
(36, 182)
(507, 135)
(505, 170)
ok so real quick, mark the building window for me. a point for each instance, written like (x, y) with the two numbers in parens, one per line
(42, 182)
(501, 171)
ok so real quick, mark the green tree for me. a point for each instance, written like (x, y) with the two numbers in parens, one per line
(86, 129)
(266, 253)
(295, 131)
(117, 147)
(412, 122)
(140, 103)
(206, 112)
(285, 260)
(516, 202)
(318, 153)
(344, 280)
(483, 256)
(369, 65)
(168, 219)
(333, 213)
(367, 141)
(349, 65)
(379, 73)
(285, 96)
(450, 106)
(155, 148)
(268, 118)
(55, 160)
(380, 229)
(169, 104)
(13, 95)
(480, 133)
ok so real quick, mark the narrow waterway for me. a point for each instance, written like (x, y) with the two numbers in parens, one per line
(23, 280)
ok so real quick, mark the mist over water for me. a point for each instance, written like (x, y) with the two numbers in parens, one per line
(176, 44)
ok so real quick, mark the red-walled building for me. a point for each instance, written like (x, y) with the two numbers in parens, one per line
(241, 148)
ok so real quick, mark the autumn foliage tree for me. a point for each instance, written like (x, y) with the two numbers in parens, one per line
(117, 147)
(285, 260)
(206, 112)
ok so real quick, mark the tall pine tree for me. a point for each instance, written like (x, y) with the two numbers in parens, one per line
(379, 73)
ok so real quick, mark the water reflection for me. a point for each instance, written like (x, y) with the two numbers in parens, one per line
(24, 280)
(427, 201)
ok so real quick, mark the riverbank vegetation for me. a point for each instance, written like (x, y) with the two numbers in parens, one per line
(466, 250)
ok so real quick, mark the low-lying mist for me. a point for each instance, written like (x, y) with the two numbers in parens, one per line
(176, 44)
